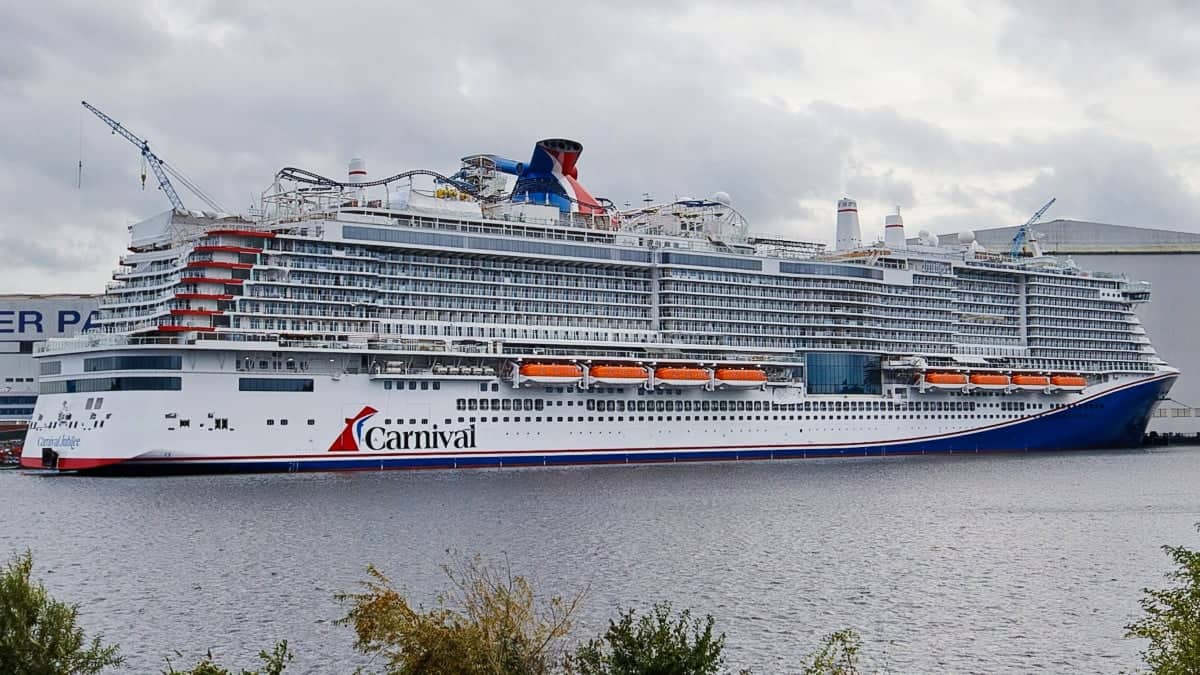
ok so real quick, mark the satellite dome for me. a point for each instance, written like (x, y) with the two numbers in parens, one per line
(965, 238)
(722, 197)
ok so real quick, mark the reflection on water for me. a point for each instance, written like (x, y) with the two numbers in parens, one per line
(995, 563)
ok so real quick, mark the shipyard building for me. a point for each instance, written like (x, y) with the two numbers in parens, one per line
(1169, 260)
(26, 320)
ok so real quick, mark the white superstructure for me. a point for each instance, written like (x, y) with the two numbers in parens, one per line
(362, 326)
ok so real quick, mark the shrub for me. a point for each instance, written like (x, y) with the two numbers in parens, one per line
(1172, 618)
(655, 643)
(38, 634)
(489, 623)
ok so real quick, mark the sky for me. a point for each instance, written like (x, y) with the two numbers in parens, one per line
(966, 115)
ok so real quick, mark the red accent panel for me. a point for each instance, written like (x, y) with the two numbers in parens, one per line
(244, 233)
(195, 312)
(220, 265)
(69, 463)
(213, 248)
(346, 442)
(203, 296)
(587, 203)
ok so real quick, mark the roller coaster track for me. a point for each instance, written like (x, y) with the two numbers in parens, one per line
(310, 178)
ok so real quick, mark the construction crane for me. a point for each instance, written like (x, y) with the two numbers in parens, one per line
(1022, 236)
(158, 166)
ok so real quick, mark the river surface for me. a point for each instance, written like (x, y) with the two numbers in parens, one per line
(1007, 563)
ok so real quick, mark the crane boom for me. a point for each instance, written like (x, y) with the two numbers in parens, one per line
(1022, 234)
(156, 164)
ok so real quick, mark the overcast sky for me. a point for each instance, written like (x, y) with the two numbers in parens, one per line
(967, 115)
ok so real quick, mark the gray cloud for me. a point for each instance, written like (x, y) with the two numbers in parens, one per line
(657, 93)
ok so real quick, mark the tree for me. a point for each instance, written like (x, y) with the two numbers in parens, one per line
(1172, 618)
(837, 655)
(273, 663)
(489, 623)
(656, 643)
(38, 634)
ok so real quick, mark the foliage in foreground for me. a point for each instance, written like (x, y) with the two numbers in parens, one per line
(654, 643)
(837, 655)
(38, 634)
(273, 664)
(488, 623)
(1172, 618)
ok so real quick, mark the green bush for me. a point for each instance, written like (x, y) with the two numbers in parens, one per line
(273, 664)
(1172, 618)
(655, 643)
(38, 634)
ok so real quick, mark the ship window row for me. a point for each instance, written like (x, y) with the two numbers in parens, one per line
(519, 319)
(1065, 313)
(50, 367)
(22, 412)
(1111, 305)
(793, 308)
(561, 274)
(728, 328)
(726, 405)
(898, 300)
(275, 384)
(836, 320)
(501, 304)
(1120, 327)
(398, 236)
(774, 280)
(113, 384)
(413, 385)
(18, 400)
(138, 362)
(696, 260)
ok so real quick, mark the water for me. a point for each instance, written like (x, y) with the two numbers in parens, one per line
(947, 564)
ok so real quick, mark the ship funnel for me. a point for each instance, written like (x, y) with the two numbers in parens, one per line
(551, 177)
(358, 170)
(893, 231)
(849, 235)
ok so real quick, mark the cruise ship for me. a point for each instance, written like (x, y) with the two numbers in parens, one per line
(503, 316)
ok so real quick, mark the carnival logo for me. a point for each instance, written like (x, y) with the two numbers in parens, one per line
(358, 436)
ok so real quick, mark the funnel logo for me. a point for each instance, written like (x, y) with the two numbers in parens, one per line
(348, 440)
(359, 436)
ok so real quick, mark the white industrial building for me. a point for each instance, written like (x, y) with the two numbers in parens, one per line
(1170, 261)
(26, 320)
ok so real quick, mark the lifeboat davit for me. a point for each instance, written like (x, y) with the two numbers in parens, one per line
(945, 380)
(618, 374)
(681, 376)
(740, 377)
(552, 373)
(1069, 382)
(990, 381)
(1031, 382)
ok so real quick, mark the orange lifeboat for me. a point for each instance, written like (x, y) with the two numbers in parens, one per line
(945, 380)
(618, 374)
(740, 377)
(1069, 382)
(681, 376)
(551, 373)
(1032, 382)
(989, 381)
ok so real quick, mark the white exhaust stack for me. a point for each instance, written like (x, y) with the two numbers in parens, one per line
(358, 170)
(849, 235)
(893, 231)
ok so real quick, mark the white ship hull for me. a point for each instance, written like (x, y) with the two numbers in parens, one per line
(360, 421)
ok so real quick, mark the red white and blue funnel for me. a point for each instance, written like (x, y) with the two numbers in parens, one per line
(551, 178)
